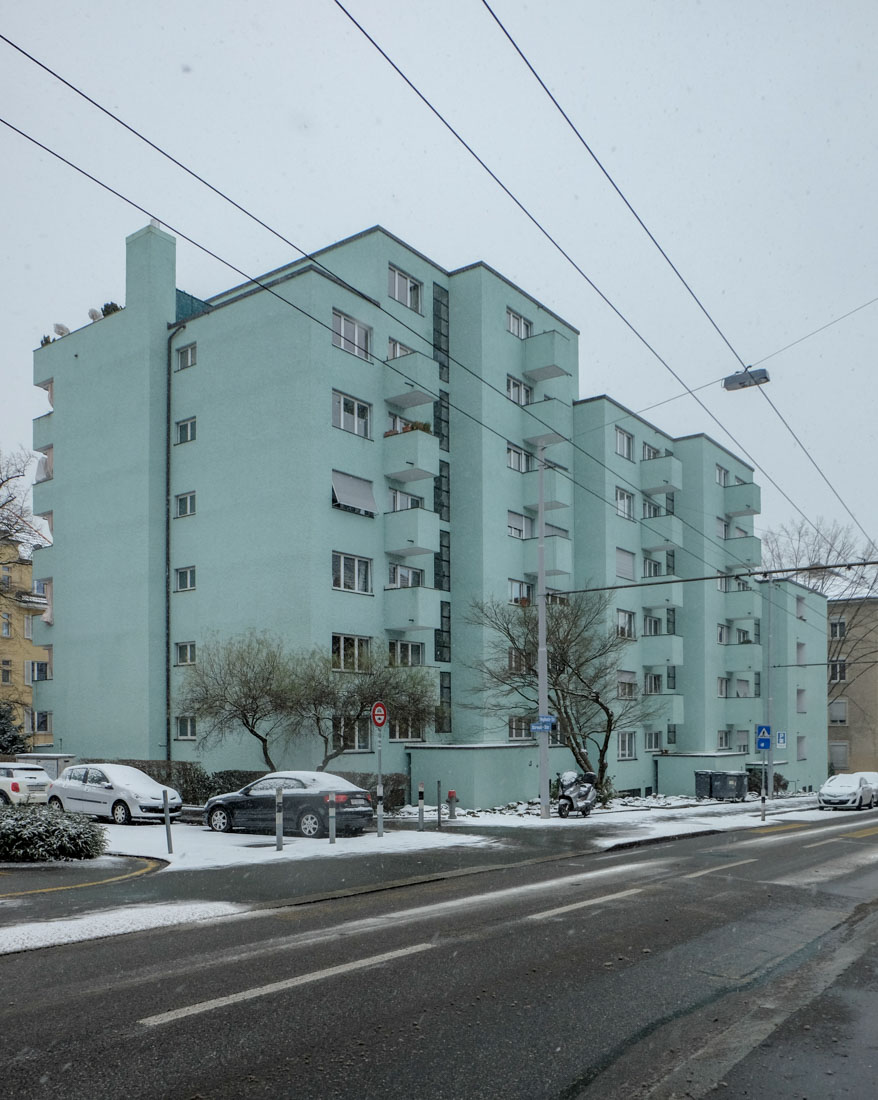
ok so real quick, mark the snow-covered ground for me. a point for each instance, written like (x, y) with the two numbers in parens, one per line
(197, 848)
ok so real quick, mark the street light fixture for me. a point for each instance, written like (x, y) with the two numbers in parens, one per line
(747, 377)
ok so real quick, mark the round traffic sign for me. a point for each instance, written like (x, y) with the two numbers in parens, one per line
(379, 714)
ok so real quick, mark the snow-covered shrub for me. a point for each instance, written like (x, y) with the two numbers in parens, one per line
(33, 834)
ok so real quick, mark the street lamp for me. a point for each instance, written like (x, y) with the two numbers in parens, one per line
(748, 377)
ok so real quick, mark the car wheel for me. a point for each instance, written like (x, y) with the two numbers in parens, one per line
(563, 808)
(310, 824)
(586, 811)
(55, 803)
(220, 820)
(120, 813)
(4, 799)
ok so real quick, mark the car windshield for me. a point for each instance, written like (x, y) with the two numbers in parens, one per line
(841, 782)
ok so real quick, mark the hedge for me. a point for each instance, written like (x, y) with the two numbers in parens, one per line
(34, 834)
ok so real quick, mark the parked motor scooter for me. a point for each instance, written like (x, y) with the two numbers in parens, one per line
(576, 792)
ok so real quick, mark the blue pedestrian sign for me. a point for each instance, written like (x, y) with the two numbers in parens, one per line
(763, 738)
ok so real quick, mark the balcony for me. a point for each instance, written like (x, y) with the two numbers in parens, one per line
(544, 355)
(661, 593)
(742, 605)
(661, 475)
(558, 556)
(411, 380)
(412, 608)
(742, 500)
(411, 455)
(661, 533)
(43, 431)
(742, 657)
(744, 552)
(557, 489)
(411, 531)
(660, 650)
(538, 423)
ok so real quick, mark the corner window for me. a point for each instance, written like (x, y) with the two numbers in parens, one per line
(185, 578)
(518, 459)
(520, 592)
(651, 510)
(652, 684)
(351, 335)
(403, 288)
(184, 505)
(350, 653)
(185, 432)
(722, 476)
(406, 653)
(186, 357)
(404, 576)
(185, 728)
(722, 633)
(185, 653)
(722, 528)
(652, 626)
(650, 452)
(517, 391)
(625, 444)
(519, 326)
(351, 574)
(351, 414)
(401, 502)
(722, 687)
(395, 350)
(519, 526)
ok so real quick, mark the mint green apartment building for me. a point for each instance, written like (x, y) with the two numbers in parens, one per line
(343, 452)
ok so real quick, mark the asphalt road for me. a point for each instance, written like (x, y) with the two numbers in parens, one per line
(656, 972)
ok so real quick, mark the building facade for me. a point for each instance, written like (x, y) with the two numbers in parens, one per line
(344, 453)
(22, 663)
(853, 684)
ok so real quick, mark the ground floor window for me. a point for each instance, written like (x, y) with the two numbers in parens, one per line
(627, 745)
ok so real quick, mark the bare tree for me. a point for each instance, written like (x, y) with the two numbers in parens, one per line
(584, 658)
(16, 518)
(238, 685)
(249, 683)
(335, 704)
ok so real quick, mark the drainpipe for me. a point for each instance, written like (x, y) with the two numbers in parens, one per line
(168, 445)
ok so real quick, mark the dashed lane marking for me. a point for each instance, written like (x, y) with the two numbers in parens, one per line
(581, 904)
(719, 867)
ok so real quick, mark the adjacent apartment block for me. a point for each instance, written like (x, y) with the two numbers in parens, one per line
(853, 684)
(343, 452)
(22, 663)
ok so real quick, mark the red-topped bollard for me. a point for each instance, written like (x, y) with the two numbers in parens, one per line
(452, 804)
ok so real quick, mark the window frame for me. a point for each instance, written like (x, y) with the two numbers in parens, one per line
(396, 648)
(361, 648)
(185, 428)
(359, 565)
(627, 748)
(339, 416)
(404, 576)
(653, 683)
(361, 339)
(184, 498)
(524, 589)
(187, 573)
(624, 444)
(405, 289)
(396, 349)
(518, 392)
(624, 503)
(185, 722)
(626, 623)
(518, 324)
(519, 460)
(184, 653)
(186, 356)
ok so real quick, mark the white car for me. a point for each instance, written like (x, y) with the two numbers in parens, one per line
(117, 791)
(23, 783)
(851, 791)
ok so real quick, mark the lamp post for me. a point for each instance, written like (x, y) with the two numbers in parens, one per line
(542, 652)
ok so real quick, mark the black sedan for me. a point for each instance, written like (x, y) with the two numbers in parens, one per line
(305, 802)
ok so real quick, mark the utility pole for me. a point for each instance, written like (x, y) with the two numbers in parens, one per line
(542, 652)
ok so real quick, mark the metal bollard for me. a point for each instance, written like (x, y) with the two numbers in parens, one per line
(332, 817)
(381, 809)
(167, 822)
(279, 818)
(438, 803)
(452, 805)
(420, 807)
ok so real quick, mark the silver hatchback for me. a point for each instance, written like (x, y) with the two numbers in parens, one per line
(116, 791)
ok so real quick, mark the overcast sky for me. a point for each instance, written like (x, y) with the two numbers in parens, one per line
(742, 132)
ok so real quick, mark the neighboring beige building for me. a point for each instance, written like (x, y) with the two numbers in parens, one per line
(853, 684)
(21, 662)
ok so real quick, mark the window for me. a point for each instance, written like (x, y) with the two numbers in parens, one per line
(520, 592)
(442, 563)
(670, 504)
(627, 745)
(651, 567)
(672, 734)
(43, 721)
(354, 736)
(838, 712)
(519, 729)
(625, 624)
(406, 653)
(401, 502)
(353, 494)
(742, 689)
(5, 577)
(518, 526)
(29, 627)
(6, 625)
(672, 677)
(185, 578)
(652, 684)
(396, 350)
(651, 510)
(626, 685)
(724, 740)
(517, 391)
(801, 747)
(757, 684)
(35, 671)
(722, 528)
(724, 583)
(650, 452)
(185, 653)
(722, 476)
(403, 288)
(518, 459)
(349, 652)
(742, 741)
(184, 505)
(404, 576)
(837, 671)
(670, 563)
(515, 660)
(625, 444)
(350, 573)
(800, 653)
(801, 701)
(671, 618)
(624, 503)
(652, 741)
(186, 357)
(39, 588)
(442, 636)
(651, 626)
(722, 633)
(405, 731)
(800, 607)
(185, 728)
(722, 687)
(742, 637)
(186, 430)
(624, 564)
(351, 415)
(839, 755)
(6, 673)
(837, 628)
(518, 325)
(351, 335)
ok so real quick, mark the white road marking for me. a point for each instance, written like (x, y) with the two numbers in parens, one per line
(719, 867)
(581, 904)
(277, 987)
(820, 843)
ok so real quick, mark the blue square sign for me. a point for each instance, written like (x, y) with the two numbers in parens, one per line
(763, 738)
